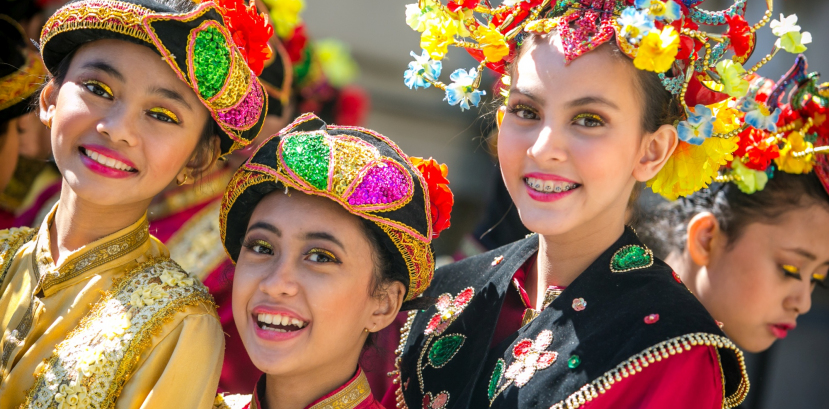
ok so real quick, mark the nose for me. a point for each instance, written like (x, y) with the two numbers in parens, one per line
(119, 125)
(548, 146)
(800, 300)
(280, 281)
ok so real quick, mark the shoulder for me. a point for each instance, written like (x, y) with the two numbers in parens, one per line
(11, 240)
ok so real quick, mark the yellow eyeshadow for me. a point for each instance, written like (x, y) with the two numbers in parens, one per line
(165, 111)
(790, 269)
(105, 87)
(324, 252)
(588, 115)
(819, 277)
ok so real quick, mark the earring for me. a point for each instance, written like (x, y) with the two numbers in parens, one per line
(49, 123)
(499, 117)
(183, 181)
(365, 330)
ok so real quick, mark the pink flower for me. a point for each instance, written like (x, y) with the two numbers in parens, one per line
(530, 356)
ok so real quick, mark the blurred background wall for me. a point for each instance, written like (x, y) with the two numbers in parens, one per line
(790, 375)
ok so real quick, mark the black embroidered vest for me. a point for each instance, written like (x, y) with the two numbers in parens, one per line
(625, 311)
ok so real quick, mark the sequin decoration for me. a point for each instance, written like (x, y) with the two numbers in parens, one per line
(497, 260)
(579, 304)
(114, 16)
(444, 349)
(418, 257)
(676, 277)
(307, 156)
(351, 155)
(497, 374)
(530, 356)
(631, 257)
(574, 362)
(448, 309)
(438, 401)
(652, 319)
(211, 61)
(236, 87)
(385, 183)
(246, 113)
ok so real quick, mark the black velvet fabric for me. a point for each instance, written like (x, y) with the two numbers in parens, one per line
(610, 330)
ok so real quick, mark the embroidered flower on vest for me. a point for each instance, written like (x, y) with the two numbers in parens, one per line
(530, 356)
(448, 310)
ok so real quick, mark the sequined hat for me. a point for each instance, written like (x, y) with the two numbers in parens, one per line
(406, 199)
(703, 70)
(21, 71)
(217, 49)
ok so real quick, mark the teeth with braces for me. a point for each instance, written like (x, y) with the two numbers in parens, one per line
(549, 186)
(270, 321)
(107, 161)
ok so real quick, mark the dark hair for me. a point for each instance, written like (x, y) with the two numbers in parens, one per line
(664, 230)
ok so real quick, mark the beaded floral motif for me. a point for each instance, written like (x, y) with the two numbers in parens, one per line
(529, 356)
(438, 401)
(444, 349)
(449, 309)
(631, 257)
(102, 352)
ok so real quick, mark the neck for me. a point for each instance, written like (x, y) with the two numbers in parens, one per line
(298, 391)
(685, 267)
(78, 222)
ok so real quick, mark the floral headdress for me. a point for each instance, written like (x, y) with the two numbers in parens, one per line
(660, 36)
(786, 129)
(217, 49)
(407, 200)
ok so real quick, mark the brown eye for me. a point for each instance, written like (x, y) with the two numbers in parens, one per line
(588, 120)
(322, 256)
(259, 247)
(523, 112)
(98, 88)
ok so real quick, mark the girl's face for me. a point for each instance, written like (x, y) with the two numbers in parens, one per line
(123, 124)
(759, 284)
(301, 290)
(571, 139)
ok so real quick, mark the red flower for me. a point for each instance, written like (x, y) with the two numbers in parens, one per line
(296, 44)
(456, 5)
(440, 197)
(250, 31)
(742, 39)
(352, 106)
(757, 149)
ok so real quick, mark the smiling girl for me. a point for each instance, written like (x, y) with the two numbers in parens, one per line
(141, 94)
(330, 228)
(601, 96)
(753, 250)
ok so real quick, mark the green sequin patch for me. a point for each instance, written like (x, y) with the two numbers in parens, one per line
(574, 362)
(308, 157)
(497, 374)
(211, 61)
(444, 349)
(631, 257)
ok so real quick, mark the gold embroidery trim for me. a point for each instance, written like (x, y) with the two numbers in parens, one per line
(241, 181)
(350, 397)
(22, 83)
(98, 256)
(404, 337)
(658, 352)
(418, 257)
(197, 246)
(119, 17)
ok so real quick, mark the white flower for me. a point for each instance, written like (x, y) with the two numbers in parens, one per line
(784, 25)
(422, 71)
(72, 396)
(92, 362)
(118, 327)
(146, 295)
(635, 24)
(791, 39)
(174, 278)
(461, 90)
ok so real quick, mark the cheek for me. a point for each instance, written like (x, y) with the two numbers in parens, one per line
(512, 151)
(743, 287)
(245, 284)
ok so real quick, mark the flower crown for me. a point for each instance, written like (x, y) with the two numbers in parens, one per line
(659, 36)
(785, 129)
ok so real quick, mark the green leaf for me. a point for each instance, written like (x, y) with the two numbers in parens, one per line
(444, 349)
(631, 257)
(497, 374)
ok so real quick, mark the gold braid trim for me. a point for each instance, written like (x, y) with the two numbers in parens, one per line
(418, 257)
(22, 83)
(97, 358)
(119, 17)
(658, 352)
(404, 337)
(10, 241)
(241, 181)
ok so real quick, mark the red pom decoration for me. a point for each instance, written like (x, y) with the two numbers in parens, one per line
(250, 31)
(440, 197)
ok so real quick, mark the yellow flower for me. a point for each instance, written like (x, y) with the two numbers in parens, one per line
(72, 396)
(285, 15)
(692, 167)
(146, 295)
(732, 77)
(438, 37)
(337, 65)
(726, 119)
(748, 180)
(494, 46)
(657, 50)
(419, 17)
(795, 142)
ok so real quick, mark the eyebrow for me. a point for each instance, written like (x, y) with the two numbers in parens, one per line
(170, 94)
(529, 94)
(105, 67)
(802, 252)
(265, 226)
(590, 100)
(325, 236)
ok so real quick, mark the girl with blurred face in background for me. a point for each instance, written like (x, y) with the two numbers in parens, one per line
(330, 228)
(141, 94)
(600, 96)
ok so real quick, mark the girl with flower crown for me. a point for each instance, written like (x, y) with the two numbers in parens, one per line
(600, 97)
(753, 249)
(141, 93)
(330, 228)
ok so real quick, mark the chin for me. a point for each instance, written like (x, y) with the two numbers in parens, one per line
(546, 222)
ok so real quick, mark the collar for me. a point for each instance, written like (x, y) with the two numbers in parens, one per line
(353, 394)
(108, 252)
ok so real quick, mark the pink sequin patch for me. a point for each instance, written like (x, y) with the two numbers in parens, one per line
(246, 113)
(383, 184)
(651, 319)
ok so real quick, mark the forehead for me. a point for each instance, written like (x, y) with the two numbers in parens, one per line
(543, 67)
(302, 212)
(803, 227)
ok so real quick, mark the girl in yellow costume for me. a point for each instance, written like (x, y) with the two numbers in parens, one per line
(142, 93)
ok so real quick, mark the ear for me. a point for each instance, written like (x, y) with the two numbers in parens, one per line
(657, 148)
(388, 305)
(47, 103)
(200, 163)
(703, 230)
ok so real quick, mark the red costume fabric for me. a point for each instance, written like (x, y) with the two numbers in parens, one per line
(342, 397)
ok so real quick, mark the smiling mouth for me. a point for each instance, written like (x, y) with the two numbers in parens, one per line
(106, 160)
(549, 186)
(279, 323)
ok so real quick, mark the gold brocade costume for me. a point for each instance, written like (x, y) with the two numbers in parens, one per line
(116, 325)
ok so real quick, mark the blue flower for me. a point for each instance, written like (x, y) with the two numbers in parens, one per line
(421, 71)
(461, 89)
(635, 24)
(698, 127)
(758, 115)
(660, 10)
